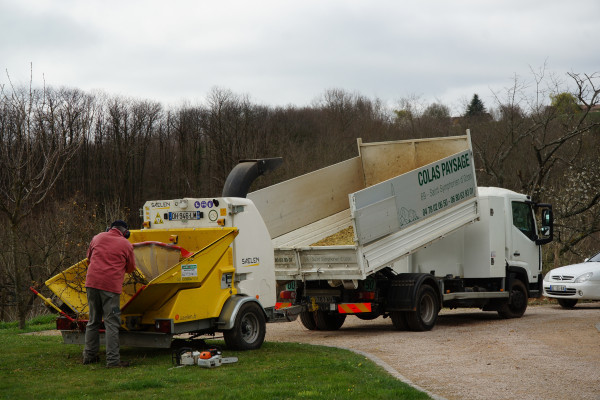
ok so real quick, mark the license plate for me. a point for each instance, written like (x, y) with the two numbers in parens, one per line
(558, 288)
(184, 215)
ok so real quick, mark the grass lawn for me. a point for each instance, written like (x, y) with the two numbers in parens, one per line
(42, 367)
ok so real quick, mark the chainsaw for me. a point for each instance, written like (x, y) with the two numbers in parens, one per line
(209, 358)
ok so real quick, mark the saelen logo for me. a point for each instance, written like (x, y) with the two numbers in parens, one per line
(250, 262)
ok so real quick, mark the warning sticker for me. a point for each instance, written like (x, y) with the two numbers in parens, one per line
(189, 271)
(158, 219)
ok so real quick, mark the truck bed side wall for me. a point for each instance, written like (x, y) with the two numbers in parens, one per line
(301, 201)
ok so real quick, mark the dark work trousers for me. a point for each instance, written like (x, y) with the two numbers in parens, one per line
(103, 304)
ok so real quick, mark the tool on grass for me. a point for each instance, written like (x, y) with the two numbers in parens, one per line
(209, 358)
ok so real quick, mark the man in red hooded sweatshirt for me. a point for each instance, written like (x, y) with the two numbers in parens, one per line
(110, 256)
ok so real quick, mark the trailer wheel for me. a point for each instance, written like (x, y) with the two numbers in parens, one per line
(399, 320)
(567, 303)
(516, 304)
(426, 310)
(329, 321)
(248, 332)
(308, 320)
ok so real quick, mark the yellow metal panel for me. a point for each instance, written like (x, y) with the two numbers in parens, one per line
(69, 286)
(202, 270)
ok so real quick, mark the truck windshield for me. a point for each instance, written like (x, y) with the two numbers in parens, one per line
(523, 219)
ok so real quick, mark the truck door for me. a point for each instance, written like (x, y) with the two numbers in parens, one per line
(524, 251)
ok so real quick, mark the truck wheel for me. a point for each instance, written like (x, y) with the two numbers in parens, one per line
(367, 316)
(516, 304)
(308, 320)
(567, 303)
(248, 332)
(427, 309)
(329, 321)
(399, 320)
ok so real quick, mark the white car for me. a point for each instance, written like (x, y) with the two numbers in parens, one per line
(575, 282)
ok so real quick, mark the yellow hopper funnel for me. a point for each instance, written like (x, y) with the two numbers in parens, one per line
(189, 273)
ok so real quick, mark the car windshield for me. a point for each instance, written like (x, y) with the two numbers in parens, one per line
(595, 258)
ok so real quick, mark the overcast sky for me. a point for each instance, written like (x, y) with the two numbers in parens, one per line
(289, 52)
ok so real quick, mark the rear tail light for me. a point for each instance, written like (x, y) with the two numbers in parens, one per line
(366, 295)
(287, 294)
(164, 325)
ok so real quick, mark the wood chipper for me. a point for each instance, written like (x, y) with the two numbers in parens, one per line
(203, 265)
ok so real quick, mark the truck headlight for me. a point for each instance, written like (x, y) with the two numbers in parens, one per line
(583, 278)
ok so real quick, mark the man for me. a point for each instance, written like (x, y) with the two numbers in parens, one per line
(110, 256)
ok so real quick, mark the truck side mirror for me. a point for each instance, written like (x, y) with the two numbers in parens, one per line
(547, 228)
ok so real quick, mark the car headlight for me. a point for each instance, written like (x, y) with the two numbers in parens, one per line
(584, 277)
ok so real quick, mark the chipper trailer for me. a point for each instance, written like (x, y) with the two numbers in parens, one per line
(204, 265)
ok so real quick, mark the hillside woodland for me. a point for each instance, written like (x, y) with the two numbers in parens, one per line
(71, 162)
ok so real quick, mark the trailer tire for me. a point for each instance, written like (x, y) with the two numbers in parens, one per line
(308, 320)
(516, 304)
(249, 329)
(567, 303)
(329, 321)
(399, 320)
(426, 310)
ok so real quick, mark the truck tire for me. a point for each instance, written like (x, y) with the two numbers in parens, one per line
(516, 304)
(426, 310)
(399, 320)
(567, 303)
(367, 316)
(329, 321)
(248, 332)
(308, 320)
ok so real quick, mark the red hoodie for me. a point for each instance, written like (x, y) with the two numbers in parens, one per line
(110, 255)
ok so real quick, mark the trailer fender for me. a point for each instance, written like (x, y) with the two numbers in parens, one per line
(402, 295)
(231, 308)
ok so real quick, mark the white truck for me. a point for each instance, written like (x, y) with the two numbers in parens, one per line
(424, 236)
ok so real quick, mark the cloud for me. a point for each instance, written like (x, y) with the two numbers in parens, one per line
(284, 52)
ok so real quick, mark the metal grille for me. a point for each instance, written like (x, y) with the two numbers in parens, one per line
(568, 292)
(562, 278)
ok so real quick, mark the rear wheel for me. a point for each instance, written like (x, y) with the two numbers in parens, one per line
(399, 320)
(567, 303)
(426, 310)
(517, 302)
(367, 316)
(329, 321)
(308, 320)
(248, 332)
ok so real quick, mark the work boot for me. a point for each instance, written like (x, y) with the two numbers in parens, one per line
(121, 364)
(92, 360)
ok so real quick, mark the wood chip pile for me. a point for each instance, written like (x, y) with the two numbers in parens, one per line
(343, 237)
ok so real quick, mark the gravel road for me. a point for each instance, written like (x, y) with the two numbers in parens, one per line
(549, 353)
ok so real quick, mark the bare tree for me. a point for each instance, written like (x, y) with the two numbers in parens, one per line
(34, 150)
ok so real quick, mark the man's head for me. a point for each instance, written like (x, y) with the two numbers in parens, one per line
(122, 226)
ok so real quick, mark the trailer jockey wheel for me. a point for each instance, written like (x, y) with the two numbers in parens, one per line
(248, 332)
